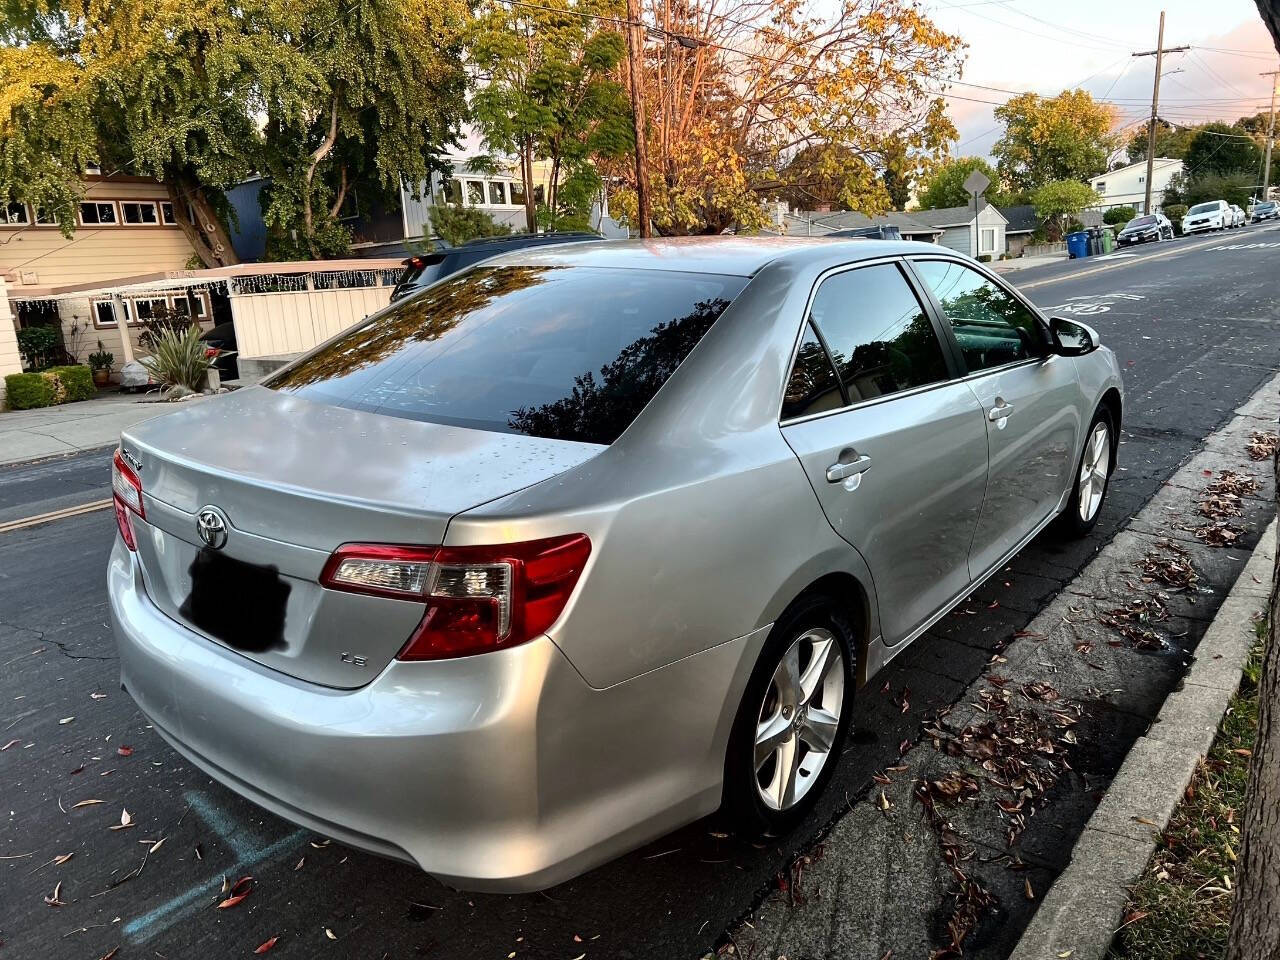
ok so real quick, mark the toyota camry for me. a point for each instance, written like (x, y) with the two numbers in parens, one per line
(584, 543)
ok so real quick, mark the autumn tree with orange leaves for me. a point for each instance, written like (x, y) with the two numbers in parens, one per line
(734, 90)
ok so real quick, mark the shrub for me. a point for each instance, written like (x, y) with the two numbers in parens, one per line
(76, 382)
(162, 321)
(39, 345)
(101, 359)
(1175, 212)
(1119, 215)
(26, 391)
(178, 359)
(456, 224)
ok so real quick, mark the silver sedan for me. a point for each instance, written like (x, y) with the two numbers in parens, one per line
(585, 543)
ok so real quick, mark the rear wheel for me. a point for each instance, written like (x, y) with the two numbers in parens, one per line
(793, 719)
(1092, 476)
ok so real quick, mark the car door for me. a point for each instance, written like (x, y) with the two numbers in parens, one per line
(893, 444)
(1029, 398)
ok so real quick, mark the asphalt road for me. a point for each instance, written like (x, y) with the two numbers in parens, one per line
(1195, 328)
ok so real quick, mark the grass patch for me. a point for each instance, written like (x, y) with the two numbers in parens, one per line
(1181, 908)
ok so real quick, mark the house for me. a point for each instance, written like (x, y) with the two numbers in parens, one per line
(979, 235)
(1022, 222)
(1127, 186)
(124, 225)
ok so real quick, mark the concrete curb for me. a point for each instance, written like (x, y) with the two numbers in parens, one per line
(1082, 910)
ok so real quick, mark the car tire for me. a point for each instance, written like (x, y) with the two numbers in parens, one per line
(1081, 516)
(811, 627)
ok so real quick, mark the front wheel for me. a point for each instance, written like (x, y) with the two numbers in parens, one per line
(793, 719)
(1092, 476)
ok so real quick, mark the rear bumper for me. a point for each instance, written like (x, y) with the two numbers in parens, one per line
(502, 772)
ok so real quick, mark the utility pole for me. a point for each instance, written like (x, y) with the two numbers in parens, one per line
(635, 62)
(1158, 53)
(1271, 133)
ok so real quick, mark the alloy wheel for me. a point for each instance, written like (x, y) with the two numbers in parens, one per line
(799, 718)
(1093, 471)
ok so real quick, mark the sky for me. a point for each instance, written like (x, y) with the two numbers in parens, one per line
(1047, 46)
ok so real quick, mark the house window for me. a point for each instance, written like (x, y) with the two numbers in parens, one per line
(497, 193)
(167, 215)
(147, 308)
(99, 213)
(1100, 186)
(104, 312)
(182, 305)
(450, 191)
(475, 193)
(517, 193)
(1142, 179)
(15, 214)
(987, 240)
(140, 212)
(46, 218)
(539, 194)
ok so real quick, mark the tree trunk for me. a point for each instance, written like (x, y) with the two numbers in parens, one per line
(526, 174)
(635, 69)
(1255, 915)
(207, 235)
(317, 155)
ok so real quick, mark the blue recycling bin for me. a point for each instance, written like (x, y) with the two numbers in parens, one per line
(1078, 244)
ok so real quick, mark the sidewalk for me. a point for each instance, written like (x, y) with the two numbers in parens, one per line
(86, 425)
(1025, 263)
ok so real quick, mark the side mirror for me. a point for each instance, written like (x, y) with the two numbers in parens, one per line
(1072, 338)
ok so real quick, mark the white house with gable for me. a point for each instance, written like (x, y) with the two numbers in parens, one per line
(1127, 186)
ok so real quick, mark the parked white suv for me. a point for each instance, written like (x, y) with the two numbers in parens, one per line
(1211, 215)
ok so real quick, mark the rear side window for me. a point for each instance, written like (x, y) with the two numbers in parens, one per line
(879, 336)
(567, 353)
(991, 325)
(813, 387)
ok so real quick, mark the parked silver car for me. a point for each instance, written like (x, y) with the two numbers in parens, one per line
(581, 544)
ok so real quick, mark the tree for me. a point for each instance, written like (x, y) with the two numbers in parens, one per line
(1255, 932)
(1235, 188)
(736, 90)
(550, 93)
(319, 95)
(1060, 201)
(456, 224)
(1220, 149)
(945, 188)
(1067, 137)
(1171, 141)
(1118, 215)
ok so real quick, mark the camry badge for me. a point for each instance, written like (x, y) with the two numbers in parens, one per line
(211, 524)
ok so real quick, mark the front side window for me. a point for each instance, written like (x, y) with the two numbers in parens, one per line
(992, 326)
(93, 213)
(880, 337)
(566, 353)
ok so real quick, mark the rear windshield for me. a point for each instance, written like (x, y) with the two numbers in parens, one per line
(1142, 221)
(1209, 207)
(568, 353)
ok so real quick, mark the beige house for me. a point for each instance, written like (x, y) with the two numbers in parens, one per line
(125, 226)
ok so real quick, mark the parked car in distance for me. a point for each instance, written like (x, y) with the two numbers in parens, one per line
(1264, 210)
(888, 231)
(1238, 216)
(422, 270)
(1152, 226)
(1211, 215)
(581, 544)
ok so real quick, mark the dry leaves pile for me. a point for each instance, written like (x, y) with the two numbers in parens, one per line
(1171, 568)
(1223, 502)
(1018, 748)
(1230, 482)
(1133, 621)
(1262, 445)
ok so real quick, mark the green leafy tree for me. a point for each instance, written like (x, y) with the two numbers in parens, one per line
(550, 93)
(945, 188)
(456, 224)
(1234, 188)
(1059, 202)
(1218, 148)
(1049, 139)
(1171, 141)
(1118, 215)
(319, 95)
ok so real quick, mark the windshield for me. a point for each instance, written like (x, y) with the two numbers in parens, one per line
(1210, 207)
(1141, 222)
(568, 353)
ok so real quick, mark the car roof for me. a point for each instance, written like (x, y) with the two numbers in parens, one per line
(731, 255)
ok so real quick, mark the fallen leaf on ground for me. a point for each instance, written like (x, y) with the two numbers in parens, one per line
(156, 846)
(11, 743)
(126, 820)
(65, 720)
(1026, 888)
(62, 858)
(86, 803)
(125, 751)
(110, 953)
(330, 934)
(55, 899)
(238, 890)
(264, 947)
(98, 696)
(298, 866)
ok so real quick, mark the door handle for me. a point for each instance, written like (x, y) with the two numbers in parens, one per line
(841, 471)
(1000, 411)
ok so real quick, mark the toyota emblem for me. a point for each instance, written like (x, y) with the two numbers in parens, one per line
(211, 524)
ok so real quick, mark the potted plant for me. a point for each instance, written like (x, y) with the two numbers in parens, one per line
(100, 362)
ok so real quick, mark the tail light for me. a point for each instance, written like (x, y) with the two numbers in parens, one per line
(478, 598)
(126, 495)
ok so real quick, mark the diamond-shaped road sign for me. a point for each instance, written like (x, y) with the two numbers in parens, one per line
(976, 182)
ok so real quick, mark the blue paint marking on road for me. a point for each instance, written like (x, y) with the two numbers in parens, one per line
(248, 854)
